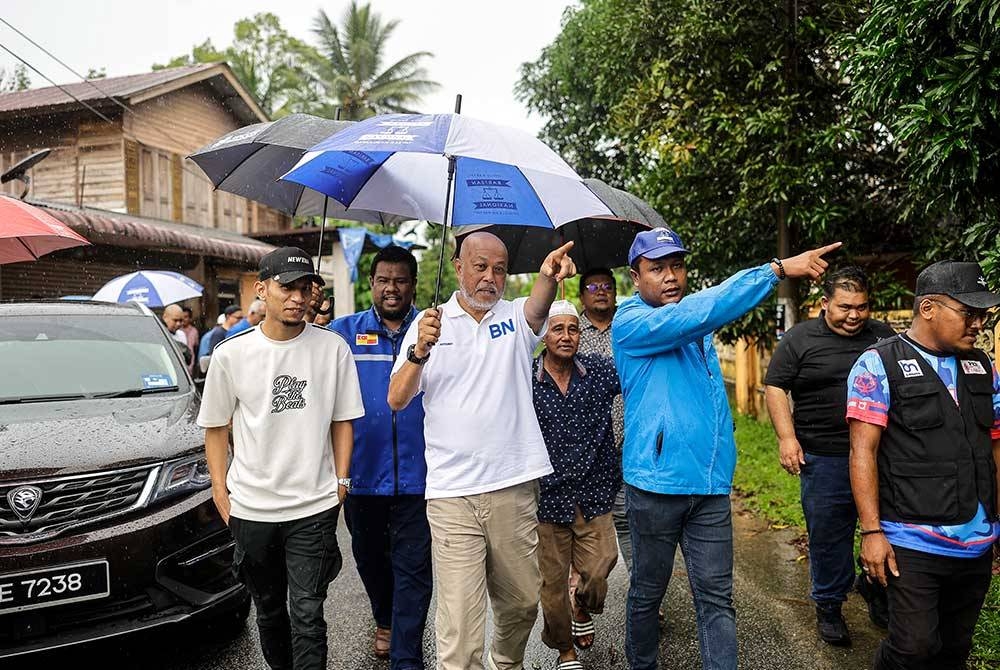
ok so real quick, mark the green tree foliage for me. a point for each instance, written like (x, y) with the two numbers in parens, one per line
(930, 71)
(350, 67)
(266, 59)
(727, 118)
(16, 79)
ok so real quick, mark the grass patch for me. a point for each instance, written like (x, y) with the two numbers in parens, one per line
(770, 492)
(767, 489)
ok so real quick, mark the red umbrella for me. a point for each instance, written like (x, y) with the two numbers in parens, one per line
(27, 232)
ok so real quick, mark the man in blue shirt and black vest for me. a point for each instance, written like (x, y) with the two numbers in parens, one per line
(924, 413)
(386, 511)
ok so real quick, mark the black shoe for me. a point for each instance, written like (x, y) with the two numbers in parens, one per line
(831, 626)
(876, 599)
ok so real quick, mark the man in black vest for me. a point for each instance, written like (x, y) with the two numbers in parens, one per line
(923, 412)
(812, 362)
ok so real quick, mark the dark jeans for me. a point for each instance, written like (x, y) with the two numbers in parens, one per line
(933, 608)
(831, 519)
(703, 526)
(391, 541)
(287, 567)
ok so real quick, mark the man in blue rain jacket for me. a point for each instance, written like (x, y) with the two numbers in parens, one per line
(386, 511)
(679, 453)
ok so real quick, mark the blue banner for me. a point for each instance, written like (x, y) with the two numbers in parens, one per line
(353, 241)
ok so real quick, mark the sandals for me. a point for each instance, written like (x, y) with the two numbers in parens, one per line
(582, 629)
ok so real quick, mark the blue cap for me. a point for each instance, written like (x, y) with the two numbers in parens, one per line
(655, 243)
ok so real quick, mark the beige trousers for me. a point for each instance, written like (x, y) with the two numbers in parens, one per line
(485, 543)
(591, 550)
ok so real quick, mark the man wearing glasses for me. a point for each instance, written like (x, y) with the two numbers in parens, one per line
(924, 413)
(599, 296)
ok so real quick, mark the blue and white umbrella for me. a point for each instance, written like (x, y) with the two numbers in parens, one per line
(449, 169)
(155, 288)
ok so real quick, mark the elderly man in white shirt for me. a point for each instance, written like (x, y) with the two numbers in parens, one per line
(484, 450)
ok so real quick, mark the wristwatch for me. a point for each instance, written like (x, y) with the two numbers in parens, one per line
(345, 482)
(413, 358)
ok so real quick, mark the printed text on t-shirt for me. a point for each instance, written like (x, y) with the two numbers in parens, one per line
(287, 391)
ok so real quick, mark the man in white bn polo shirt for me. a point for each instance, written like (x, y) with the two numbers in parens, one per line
(484, 450)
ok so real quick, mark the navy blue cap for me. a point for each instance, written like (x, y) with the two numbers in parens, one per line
(655, 243)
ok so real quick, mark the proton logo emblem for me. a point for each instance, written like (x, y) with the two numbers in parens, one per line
(24, 500)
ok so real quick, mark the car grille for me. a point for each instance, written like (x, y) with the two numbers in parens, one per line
(73, 501)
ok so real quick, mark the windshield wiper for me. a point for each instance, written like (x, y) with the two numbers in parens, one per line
(42, 398)
(135, 393)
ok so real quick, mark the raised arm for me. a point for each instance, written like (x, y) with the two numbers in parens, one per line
(557, 266)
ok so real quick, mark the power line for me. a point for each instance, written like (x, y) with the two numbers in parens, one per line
(61, 88)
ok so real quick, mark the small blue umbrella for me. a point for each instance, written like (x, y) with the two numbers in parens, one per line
(449, 169)
(155, 288)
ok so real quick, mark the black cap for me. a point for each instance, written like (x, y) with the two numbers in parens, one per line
(286, 265)
(962, 281)
(232, 309)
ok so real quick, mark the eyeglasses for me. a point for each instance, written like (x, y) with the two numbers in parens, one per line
(603, 286)
(971, 316)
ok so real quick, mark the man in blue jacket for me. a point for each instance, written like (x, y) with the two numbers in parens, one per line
(679, 453)
(386, 511)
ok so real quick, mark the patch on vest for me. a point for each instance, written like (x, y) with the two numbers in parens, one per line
(910, 368)
(365, 339)
(973, 368)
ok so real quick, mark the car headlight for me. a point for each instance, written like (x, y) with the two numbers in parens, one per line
(182, 476)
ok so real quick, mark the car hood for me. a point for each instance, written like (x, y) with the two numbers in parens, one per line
(69, 437)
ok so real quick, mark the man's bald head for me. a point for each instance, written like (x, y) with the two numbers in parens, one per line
(173, 317)
(481, 267)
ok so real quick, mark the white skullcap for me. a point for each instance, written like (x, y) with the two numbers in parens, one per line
(563, 308)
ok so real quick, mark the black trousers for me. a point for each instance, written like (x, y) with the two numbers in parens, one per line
(287, 567)
(933, 608)
(391, 542)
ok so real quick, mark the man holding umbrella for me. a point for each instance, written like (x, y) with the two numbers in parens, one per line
(472, 358)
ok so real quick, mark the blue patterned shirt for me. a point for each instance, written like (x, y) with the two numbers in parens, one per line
(579, 438)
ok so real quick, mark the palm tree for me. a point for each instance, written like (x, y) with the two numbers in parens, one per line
(350, 62)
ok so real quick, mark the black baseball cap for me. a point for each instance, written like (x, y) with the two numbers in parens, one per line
(232, 309)
(286, 265)
(959, 280)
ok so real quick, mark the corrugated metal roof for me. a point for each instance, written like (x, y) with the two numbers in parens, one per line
(119, 87)
(124, 230)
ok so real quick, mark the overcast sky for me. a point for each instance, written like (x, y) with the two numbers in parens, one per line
(478, 46)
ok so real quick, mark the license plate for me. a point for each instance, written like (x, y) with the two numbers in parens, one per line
(58, 585)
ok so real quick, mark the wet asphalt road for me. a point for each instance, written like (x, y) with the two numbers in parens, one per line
(775, 623)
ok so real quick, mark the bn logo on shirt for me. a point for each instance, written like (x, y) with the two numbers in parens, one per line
(501, 329)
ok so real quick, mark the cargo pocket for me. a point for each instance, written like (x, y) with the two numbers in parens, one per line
(919, 405)
(925, 492)
(982, 407)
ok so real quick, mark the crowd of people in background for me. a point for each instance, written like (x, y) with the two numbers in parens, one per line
(472, 466)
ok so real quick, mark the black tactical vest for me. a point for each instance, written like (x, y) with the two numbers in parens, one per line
(935, 460)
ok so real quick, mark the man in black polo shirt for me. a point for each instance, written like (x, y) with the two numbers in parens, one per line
(812, 362)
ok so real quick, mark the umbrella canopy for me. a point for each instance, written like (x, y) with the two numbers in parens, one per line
(155, 288)
(598, 241)
(27, 232)
(404, 164)
(248, 162)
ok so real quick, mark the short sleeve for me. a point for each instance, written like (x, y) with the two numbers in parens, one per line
(527, 335)
(868, 390)
(784, 365)
(348, 404)
(218, 401)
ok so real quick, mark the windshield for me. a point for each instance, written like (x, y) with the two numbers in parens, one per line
(82, 356)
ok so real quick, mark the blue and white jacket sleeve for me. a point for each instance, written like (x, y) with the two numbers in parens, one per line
(641, 330)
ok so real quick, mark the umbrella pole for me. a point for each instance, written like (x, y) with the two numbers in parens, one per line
(322, 228)
(447, 213)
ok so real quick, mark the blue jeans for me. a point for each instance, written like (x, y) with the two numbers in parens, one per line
(703, 526)
(830, 521)
(391, 542)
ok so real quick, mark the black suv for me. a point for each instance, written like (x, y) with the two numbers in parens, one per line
(107, 524)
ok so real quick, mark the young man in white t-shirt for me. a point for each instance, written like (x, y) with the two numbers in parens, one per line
(290, 390)
(484, 451)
